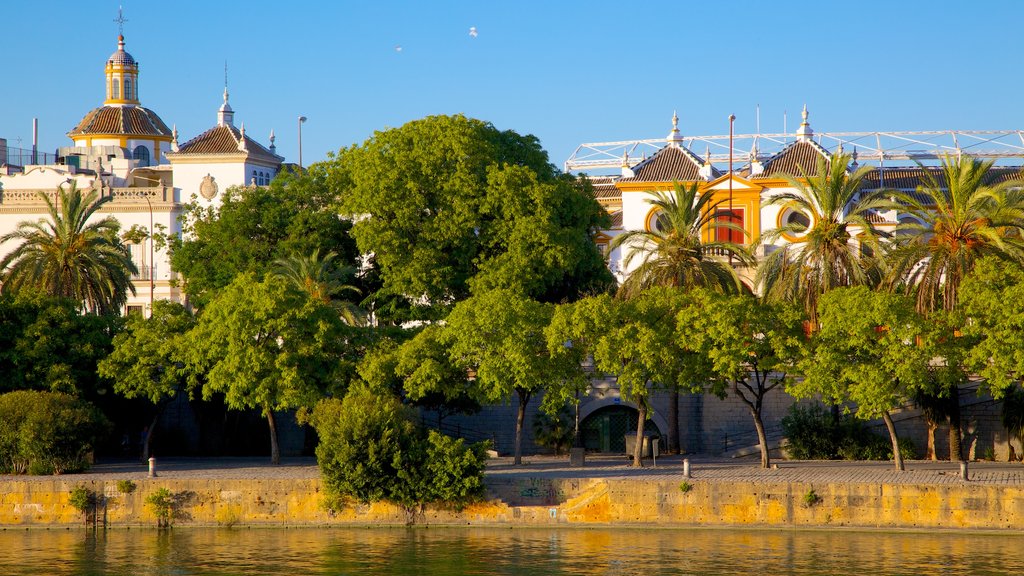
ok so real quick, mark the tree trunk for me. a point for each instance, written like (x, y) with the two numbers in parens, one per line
(524, 399)
(896, 455)
(933, 426)
(275, 450)
(762, 438)
(638, 446)
(673, 422)
(149, 435)
(956, 453)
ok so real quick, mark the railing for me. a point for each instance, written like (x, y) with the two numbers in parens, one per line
(458, 431)
(145, 273)
(25, 157)
(118, 195)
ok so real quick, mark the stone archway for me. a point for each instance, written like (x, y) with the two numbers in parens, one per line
(605, 422)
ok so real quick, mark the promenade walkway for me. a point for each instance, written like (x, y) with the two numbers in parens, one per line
(668, 468)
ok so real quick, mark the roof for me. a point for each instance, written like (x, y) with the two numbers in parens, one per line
(910, 177)
(616, 220)
(125, 120)
(120, 57)
(669, 164)
(224, 139)
(788, 162)
(604, 187)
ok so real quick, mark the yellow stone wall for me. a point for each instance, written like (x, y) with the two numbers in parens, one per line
(45, 502)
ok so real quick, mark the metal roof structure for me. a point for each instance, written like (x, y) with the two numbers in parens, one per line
(873, 147)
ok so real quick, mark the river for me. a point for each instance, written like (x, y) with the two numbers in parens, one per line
(513, 551)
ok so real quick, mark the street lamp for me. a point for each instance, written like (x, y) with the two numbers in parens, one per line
(301, 120)
(732, 219)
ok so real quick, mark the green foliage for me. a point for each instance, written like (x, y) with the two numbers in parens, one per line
(47, 432)
(148, 359)
(162, 502)
(82, 499)
(555, 431)
(370, 450)
(811, 498)
(685, 487)
(814, 434)
(253, 227)
(67, 256)
(447, 203)
(46, 344)
(1013, 415)
(992, 298)
(125, 486)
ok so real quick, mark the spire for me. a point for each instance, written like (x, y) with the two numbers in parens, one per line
(225, 116)
(174, 138)
(273, 147)
(707, 171)
(804, 132)
(674, 137)
(241, 138)
(707, 155)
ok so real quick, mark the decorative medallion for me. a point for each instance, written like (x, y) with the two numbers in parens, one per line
(208, 188)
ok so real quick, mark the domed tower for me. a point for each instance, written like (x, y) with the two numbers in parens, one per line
(122, 121)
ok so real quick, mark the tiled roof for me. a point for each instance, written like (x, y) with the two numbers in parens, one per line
(669, 164)
(604, 187)
(224, 139)
(799, 154)
(616, 219)
(909, 178)
(126, 120)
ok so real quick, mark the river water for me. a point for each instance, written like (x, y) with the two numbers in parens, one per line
(522, 552)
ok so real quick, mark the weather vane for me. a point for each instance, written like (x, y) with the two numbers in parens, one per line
(120, 20)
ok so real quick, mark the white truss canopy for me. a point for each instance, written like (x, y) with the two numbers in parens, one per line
(873, 147)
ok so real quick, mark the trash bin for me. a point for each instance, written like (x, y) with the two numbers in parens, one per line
(645, 450)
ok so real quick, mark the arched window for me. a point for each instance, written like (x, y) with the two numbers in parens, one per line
(141, 155)
(254, 177)
(263, 179)
(127, 88)
(116, 92)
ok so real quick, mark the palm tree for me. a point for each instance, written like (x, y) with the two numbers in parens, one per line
(66, 256)
(959, 220)
(322, 280)
(673, 254)
(836, 245)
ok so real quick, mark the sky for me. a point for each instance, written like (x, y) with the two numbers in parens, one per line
(566, 71)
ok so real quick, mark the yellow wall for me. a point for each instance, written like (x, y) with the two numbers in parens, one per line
(44, 502)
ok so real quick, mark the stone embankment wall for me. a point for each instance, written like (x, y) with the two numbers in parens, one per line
(537, 502)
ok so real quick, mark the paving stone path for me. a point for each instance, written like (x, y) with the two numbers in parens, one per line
(612, 467)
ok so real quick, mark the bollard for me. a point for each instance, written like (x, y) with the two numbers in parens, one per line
(963, 472)
(152, 467)
(686, 467)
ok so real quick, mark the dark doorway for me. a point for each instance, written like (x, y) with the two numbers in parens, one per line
(605, 429)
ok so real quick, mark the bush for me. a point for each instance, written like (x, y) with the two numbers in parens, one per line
(47, 432)
(162, 503)
(554, 431)
(371, 450)
(815, 435)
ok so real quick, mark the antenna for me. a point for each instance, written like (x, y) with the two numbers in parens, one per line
(120, 20)
(758, 112)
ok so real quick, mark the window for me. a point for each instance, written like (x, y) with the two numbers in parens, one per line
(141, 155)
(116, 92)
(135, 310)
(729, 234)
(127, 88)
(139, 259)
(656, 221)
(254, 177)
(792, 217)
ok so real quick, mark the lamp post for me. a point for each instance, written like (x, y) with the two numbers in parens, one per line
(152, 256)
(301, 120)
(732, 219)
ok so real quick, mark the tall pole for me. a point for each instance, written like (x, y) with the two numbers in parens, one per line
(152, 263)
(301, 120)
(732, 118)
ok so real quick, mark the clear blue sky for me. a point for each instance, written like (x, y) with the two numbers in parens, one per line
(566, 71)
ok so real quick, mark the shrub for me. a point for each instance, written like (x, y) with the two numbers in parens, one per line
(815, 435)
(162, 503)
(125, 486)
(371, 450)
(47, 432)
(554, 431)
(685, 487)
(811, 498)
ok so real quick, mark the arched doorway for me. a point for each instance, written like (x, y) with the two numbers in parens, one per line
(605, 429)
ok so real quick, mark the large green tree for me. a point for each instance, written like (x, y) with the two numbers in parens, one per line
(447, 204)
(254, 227)
(956, 220)
(751, 346)
(836, 246)
(873, 349)
(499, 335)
(265, 345)
(674, 254)
(68, 256)
(149, 361)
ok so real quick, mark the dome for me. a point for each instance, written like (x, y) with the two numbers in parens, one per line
(122, 121)
(121, 58)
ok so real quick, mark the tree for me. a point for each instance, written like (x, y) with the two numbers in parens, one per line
(66, 256)
(447, 204)
(499, 335)
(265, 345)
(836, 248)
(957, 221)
(752, 347)
(674, 254)
(319, 278)
(149, 361)
(253, 228)
(990, 304)
(873, 349)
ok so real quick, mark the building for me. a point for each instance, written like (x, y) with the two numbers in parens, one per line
(125, 151)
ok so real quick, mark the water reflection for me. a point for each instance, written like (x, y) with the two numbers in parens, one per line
(458, 551)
